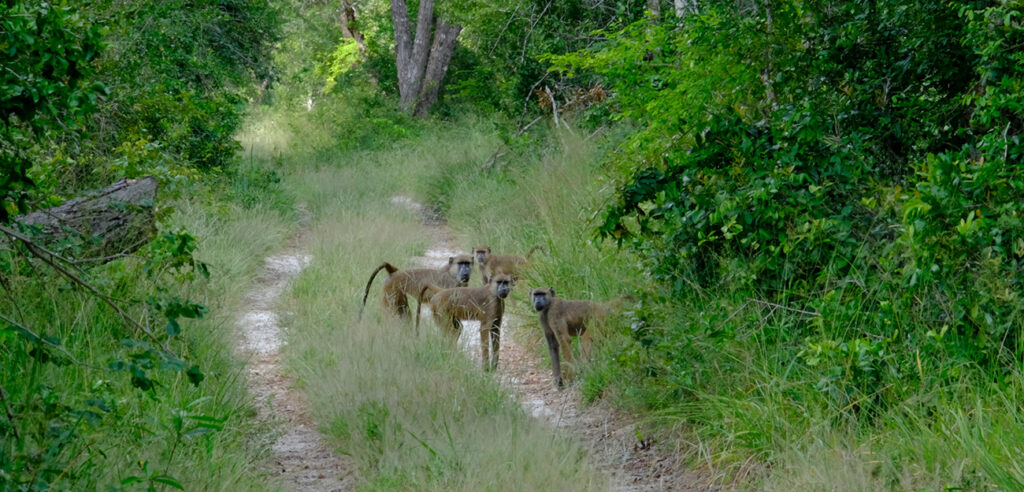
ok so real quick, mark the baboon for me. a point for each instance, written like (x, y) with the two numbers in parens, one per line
(492, 264)
(484, 304)
(562, 319)
(403, 283)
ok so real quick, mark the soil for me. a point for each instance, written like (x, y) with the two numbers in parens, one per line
(632, 464)
(300, 457)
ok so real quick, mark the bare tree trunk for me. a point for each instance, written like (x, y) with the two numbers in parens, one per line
(403, 49)
(411, 53)
(348, 23)
(685, 7)
(420, 48)
(421, 64)
(445, 37)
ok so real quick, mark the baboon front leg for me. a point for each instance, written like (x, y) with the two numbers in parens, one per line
(556, 369)
(565, 346)
(495, 340)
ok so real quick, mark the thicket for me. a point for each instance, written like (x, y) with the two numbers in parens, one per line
(831, 195)
(103, 384)
(828, 195)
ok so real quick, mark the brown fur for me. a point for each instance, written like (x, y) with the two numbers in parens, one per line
(403, 283)
(491, 264)
(484, 304)
(563, 319)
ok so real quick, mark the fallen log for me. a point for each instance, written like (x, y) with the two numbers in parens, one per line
(99, 226)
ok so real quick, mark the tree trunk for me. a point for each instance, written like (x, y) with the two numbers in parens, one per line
(411, 53)
(403, 48)
(348, 23)
(421, 64)
(445, 37)
(421, 48)
(114, 221)
(685, 7)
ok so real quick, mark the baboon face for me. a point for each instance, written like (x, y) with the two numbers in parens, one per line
(463, 267)
(541, 298)
(502, 285)
(481, 253)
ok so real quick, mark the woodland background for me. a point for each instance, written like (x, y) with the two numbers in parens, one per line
(819, 204)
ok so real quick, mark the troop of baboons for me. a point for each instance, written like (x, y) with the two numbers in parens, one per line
(445, 290)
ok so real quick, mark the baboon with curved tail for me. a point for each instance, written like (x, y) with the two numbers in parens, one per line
(403, 283)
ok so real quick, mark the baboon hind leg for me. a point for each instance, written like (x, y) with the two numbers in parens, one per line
(449, 325)
(490, 344)
(585, 344)
(485, 349)
(396, 303)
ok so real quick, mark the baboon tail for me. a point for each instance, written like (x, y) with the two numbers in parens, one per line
(535, 248)
(616, 304)
(391, 269)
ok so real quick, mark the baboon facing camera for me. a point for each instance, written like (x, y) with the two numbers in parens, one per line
(484, 304)
(403, 283)
(563, 319)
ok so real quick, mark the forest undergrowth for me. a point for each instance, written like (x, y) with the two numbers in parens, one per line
(818, 206)
(757, 412)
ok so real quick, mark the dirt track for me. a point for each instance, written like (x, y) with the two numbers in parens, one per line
(300, 458)
(609, 436)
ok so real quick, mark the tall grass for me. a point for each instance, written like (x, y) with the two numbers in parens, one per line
(743, 402)
(413, 412)
(730, 387)
(121, 431)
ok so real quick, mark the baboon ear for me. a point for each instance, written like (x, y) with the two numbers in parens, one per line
(552, 291)
(451, 259)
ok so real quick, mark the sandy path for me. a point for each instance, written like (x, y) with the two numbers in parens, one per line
(300, 458)
(609, 436)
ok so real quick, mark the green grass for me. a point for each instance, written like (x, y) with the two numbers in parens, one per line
(412, 411)
(130, 432)
(728, 385)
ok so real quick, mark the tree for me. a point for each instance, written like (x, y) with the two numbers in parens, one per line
(420, 71)
(350, 27)
(48, 54)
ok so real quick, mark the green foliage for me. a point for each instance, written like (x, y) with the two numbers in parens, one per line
(159, 91)
(499, 60)
(48, 53)
(339, 62)
(830, 196)
(180, 73)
